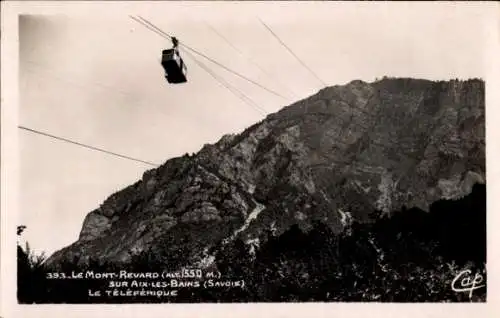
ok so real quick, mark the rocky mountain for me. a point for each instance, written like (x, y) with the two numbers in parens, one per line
(348, 154)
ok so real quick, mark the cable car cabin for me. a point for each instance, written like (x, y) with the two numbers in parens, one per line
(175, 69)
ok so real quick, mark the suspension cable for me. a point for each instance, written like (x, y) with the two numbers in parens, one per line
(291, 52)
(249, 59)
(144, 21)
(238, 93)
(86, 146)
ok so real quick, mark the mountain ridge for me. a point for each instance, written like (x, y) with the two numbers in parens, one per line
(336, 157)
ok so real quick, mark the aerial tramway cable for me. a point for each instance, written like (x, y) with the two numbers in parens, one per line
(250, 60)
(238, 93)
(86, 146)
(227, 85)
(231, 88)
(291, 52)
(145, 22)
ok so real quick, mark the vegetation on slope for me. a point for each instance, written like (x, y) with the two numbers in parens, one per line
(412, 256)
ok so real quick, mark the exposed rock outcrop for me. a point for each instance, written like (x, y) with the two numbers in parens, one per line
(336, 156)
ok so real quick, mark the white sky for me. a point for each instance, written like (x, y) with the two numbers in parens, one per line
(96, 78)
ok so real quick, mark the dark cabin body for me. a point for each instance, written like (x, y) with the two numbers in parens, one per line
(175, 69)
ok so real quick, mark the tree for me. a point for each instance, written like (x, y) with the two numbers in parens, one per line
(30, 272)
(20, 229)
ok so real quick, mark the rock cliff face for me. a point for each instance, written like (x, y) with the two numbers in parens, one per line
(348, 153)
